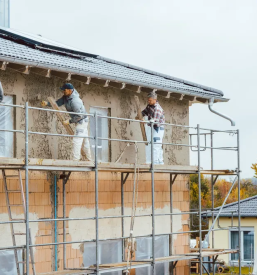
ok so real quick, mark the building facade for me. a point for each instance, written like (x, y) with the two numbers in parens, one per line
(32, 71)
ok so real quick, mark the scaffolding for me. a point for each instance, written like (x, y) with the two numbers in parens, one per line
(28, 164)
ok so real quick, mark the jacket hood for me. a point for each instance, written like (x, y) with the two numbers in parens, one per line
(73, 95)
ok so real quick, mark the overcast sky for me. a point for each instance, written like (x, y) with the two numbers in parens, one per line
(209, 42)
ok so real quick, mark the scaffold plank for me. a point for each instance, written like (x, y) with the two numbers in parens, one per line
(218, 172)
(215, 253)
(67, 272)
(121, 266)
(101, 165)
(140, 116)
(46, 164)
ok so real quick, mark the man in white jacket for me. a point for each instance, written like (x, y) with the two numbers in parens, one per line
(73, 103)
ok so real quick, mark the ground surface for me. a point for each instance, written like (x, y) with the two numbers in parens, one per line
(245, 270)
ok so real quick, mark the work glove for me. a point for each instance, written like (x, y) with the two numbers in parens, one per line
(66, 122)
(44, 103)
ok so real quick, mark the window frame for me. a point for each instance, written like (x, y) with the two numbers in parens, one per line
(13, 111)
(243, 229)
(163, 244)
(106, 150)
(90, 249)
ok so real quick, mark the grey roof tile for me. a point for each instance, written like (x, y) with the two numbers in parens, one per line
(100, 66)
(248, 208)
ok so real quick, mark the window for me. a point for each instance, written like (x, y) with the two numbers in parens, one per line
(144, 251)
(247, 245)
(6, 123)
(248, 248)
(8, 263)
(234, 243)
(109, 252)
(103, 132)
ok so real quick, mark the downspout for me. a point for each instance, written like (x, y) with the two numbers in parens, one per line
(211, 101)
(55, 222)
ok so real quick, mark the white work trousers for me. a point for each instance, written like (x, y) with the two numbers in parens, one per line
(157, 148)
(81, 130)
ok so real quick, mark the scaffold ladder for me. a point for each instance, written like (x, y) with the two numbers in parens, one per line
(14, 234)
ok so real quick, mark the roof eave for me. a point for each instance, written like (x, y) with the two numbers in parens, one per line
(44, 45)
(107, 77)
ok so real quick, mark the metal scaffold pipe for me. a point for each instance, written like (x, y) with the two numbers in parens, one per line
(96, 195)
(27, 183)
(122, 214)
(153, 210)
(239, 207)
(124, 175)
(220, 210)
(64, 221)
(199, 198)
(212, 200)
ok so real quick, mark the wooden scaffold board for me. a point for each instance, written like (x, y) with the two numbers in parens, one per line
(140, 117)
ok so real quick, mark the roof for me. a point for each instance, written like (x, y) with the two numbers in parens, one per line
(35, 51)
(248, 208)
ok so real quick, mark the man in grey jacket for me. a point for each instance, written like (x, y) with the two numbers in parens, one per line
(73, 103)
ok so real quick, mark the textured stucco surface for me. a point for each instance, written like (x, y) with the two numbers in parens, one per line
(120, 102)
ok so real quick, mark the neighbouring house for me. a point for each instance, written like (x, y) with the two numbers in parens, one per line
(32, 69)
(229, 239)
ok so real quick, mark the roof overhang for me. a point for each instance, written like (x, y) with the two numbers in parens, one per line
(26, 66)
(28, 52)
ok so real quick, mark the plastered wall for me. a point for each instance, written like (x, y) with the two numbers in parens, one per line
(120, 103)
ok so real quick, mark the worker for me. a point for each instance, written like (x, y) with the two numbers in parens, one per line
(155, 113)
(73, 103)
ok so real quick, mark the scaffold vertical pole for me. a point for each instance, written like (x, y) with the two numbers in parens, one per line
(27, 184)
(64, 222)
(153, 212)
(212, 202)
(171, 224)
(199, 199)
(239, 208)
(65, 178)
(96, 195)
(122, 214)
